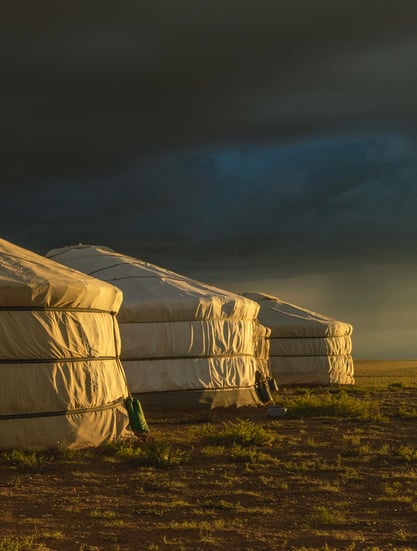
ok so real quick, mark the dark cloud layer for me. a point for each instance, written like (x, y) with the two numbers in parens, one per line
(313, 205)
(234, 141)
(87, 87)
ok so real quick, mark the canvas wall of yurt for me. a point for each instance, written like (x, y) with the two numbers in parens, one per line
(184, 343)
(305, 347)
(61, 380)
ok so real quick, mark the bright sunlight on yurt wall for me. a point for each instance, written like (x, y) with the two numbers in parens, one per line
(183, 342)
(305, 347)
(62, 384)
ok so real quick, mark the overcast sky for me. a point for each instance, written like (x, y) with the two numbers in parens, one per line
(261, 145)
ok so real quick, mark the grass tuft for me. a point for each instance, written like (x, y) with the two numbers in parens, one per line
(22, 458)
(241, 433)
(326, 515)
(250, 455)
(155, 453)
(21, 543)
(407, 453)
(339, 404)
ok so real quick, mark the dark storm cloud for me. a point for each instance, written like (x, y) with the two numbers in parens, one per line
(313, 203)
(233, 141)
(316, 205)
(88, 87)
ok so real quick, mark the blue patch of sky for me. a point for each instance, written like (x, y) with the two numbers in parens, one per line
(323, 183)
(214, 190)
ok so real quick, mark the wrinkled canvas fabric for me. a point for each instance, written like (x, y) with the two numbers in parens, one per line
(62, 384)
(177, 333)
(305, 347)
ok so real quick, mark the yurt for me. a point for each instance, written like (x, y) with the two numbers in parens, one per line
(62, 384)
(305, 347)
(184, 343)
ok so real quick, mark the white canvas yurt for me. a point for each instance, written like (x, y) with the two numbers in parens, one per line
(62, 384)
(305, 347)
(184, 343)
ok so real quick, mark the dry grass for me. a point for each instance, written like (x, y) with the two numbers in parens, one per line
(377, 373)
(324, 478)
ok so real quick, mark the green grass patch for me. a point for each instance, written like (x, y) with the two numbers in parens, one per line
(23, 459)
(252, 455)
(155, 453)
(242, 433)
(326, 515)
(407, 453)
(26, 459)
(333, 404)
(23, 543)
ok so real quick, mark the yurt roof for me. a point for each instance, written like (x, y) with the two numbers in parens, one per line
(153, 293)
(31, 280)
(289, 320)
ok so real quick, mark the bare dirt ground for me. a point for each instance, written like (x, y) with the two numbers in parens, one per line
(323, 483)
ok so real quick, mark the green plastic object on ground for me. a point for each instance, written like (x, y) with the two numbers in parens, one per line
(136, 416)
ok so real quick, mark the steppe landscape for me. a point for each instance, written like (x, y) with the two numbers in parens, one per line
(338, 472)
